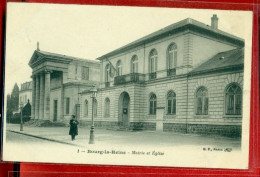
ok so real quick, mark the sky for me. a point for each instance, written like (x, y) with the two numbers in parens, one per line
(88, 32)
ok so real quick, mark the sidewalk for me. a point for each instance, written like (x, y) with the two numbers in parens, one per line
(141, 138)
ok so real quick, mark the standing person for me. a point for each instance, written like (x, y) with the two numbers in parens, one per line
(73, 127)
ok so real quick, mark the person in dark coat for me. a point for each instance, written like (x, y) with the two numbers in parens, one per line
(73, 127)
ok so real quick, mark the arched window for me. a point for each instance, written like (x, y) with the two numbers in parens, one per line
(119, 68)
(172, 56)
(152, 105)
(233, 100)
(95, 107)
(202, 102)
(134, 64)
(86, 108)
(107, 107)
(153, 61)
(107, 69)
(171, 103)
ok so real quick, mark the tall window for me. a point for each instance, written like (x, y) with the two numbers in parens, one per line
(152, 105)
(172, 56)
(171, 103)
(107, 107)
(233, 100)
(153, 61)
(85, 73)
(86, 108)
(119, 68)
(202, 102)
(95, 107)
(134, 64)
(67, 105)
(107, 69)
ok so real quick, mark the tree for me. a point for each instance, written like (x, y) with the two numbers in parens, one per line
(9, 111)
(15, 98)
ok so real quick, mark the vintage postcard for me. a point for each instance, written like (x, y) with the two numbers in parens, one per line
(127, 85)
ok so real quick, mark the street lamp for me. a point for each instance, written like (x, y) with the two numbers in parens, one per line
(93, 92)
(21, 123)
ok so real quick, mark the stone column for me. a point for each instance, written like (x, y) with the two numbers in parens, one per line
(37, 97)
(41, 102)
(47, 92)
(62, 99)
(159, 118)
(33, 97)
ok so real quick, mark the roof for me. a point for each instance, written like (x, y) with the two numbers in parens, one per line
(64, 56)
(228, 59)
(178, 27)
(54, 56)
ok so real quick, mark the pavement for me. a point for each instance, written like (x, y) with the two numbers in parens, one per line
(128, 138)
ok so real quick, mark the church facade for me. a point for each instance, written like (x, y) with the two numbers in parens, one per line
(186, 77)
(57, 81)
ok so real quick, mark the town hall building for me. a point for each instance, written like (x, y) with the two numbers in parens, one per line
(186, 77)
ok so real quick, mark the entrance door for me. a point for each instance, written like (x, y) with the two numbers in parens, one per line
(123, 109)
(55, 110)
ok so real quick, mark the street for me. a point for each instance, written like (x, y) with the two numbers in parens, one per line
(125, 138)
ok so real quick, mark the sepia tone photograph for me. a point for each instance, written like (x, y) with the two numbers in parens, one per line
(127, 85)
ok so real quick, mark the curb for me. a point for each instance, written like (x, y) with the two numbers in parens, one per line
(47, 139)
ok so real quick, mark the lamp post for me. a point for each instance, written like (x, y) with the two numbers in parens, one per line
(93, 96)
(21, 123)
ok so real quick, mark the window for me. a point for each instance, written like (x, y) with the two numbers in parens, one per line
(134, 64)
(233, 100)
(153, 103)
(171, 103)
(107, 69)
(95, 107)
(119, 68)
(172, 56)
(86, 108)
(67, 105)
(85, 73)
(153, 61)
(202, 101)
(107, 107)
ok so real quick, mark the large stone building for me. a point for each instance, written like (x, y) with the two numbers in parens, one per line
(186, 77)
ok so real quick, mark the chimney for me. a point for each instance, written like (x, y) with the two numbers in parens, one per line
(214, 22)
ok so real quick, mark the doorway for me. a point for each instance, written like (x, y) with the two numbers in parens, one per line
(123, 109)
(55, 110)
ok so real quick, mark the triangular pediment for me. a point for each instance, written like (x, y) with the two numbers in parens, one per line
(35, 58)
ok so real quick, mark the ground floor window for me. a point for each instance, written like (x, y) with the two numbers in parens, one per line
(233, 100)
(171, 103)
(153, 102)
(202, 101)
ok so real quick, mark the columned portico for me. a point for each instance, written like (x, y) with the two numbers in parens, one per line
(41, 95)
